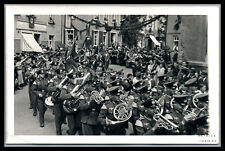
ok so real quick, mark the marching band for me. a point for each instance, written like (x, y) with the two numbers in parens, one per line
(162, 96)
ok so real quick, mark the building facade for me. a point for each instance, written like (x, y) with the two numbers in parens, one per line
(76, 29)
(189, 33)
(47, 30)
(157, 29)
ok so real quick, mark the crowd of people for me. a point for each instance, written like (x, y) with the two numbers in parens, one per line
(162, 95)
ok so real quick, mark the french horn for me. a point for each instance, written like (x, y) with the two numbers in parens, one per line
(122, 112)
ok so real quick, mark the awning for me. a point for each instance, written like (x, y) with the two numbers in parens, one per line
(30, 44)
(154, 40)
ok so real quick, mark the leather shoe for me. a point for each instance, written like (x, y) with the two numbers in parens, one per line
(42, 125)
(35, 114)
(68, 133)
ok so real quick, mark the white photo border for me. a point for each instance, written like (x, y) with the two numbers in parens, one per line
(214, 41)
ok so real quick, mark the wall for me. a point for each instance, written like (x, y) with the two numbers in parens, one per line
(194, 37)
(41, 27)
(81, 26)
(171, 32)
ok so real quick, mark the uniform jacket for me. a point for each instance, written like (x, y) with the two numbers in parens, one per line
(107, 111)
(40, 87)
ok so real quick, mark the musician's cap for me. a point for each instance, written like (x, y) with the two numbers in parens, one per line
(190, 82)
(113, 88)
(180, 97)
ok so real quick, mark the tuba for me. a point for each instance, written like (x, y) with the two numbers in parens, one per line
(163, 122)
(70, 106)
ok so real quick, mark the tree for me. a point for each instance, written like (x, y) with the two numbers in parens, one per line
(130, 36)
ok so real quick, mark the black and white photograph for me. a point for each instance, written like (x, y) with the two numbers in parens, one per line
(134, 75)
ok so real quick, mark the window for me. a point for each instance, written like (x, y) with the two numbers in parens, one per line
(176, 38)
(113, 38)
(51, 39)
(176, 42)
(95, 38)
(106, 17)
(69, 37)
(113, 18)
(104, 38)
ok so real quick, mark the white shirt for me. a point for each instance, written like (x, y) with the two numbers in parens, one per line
(150, 67)
(160, 71)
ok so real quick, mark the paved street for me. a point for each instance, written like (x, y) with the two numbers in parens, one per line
(26, 124)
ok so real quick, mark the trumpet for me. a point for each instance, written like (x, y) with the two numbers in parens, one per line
(163, 122)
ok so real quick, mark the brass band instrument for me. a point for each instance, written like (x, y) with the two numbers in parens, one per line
(71, 105)
(195, 98)
(163, 122)
(95, 95)
(20, 62)
(49, 100)
(122, 112)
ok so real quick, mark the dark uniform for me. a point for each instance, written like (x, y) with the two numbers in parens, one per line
(145, 122)
(73, 119)
(90, 109)
(32, 96)
(40, 89)
(107, 112)
(58, 109)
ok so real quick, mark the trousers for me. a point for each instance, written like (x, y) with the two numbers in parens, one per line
(33, 99)
(41, 109)
(90, 129)
(60, 116)
(74, 125)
